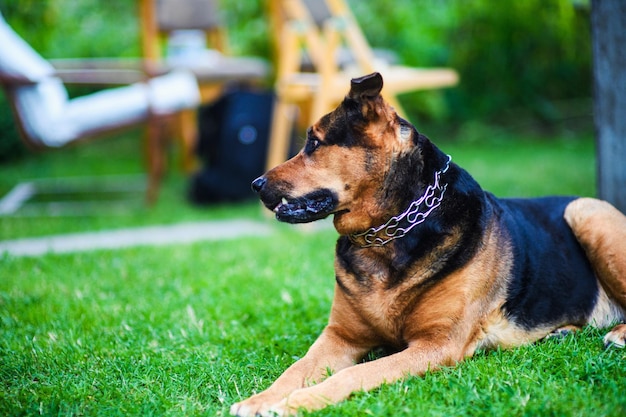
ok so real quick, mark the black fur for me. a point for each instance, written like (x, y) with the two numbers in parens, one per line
(342, 127)
(551, 281)
(463, 208)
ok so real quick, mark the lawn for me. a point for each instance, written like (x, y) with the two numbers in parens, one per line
(190, 329)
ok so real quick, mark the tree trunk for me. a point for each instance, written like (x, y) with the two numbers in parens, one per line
(608, 30)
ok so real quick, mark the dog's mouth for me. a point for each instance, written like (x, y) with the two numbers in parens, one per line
(313, 206)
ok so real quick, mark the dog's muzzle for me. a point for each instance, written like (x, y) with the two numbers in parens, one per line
(312, 206)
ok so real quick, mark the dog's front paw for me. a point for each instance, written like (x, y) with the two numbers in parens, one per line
(303, 399)
(258, 405)
(616, 337)
(244, 409)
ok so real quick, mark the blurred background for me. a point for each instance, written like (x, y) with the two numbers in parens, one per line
(522, 64)
(524, 67)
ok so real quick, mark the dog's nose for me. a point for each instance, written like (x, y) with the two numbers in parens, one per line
(258, 184)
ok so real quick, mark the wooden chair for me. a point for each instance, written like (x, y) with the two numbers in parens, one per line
(321, 28)
(166, 22)
(47, 118)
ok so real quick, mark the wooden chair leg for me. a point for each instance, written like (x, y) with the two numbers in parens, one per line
(282, 121)
(156, 157)
(321, 105)
(188, 130)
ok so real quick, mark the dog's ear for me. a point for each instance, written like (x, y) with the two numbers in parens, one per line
(366, 87)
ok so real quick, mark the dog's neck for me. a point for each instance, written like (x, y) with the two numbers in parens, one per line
(417, 212)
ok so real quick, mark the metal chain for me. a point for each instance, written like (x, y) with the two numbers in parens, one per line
(416, 213)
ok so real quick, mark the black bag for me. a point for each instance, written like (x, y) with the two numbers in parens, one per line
(234, 134)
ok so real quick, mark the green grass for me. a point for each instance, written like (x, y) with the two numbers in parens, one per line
(156, 331)
(190, 329)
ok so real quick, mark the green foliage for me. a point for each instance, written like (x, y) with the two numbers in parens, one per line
(10, 144)
(71, 29)
(509, 54)
(29, 18)
(247, 27)
(519, 54)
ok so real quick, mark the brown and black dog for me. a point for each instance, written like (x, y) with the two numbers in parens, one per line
(427, 263)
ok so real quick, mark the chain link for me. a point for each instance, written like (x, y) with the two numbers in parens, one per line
(416, 213)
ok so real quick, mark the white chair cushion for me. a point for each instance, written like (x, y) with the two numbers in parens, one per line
(123, 106)
(173, 92)
(40, 107)
(50, 119)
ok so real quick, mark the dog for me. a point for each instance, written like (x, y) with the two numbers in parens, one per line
(427, 263)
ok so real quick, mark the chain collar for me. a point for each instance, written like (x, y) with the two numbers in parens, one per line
(398, 226)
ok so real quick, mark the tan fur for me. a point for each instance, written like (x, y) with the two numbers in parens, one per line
(617, 336)
(601, 230)
(606, 310)
(357, 169)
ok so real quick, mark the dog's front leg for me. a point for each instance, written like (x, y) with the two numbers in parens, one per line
(329, 353)
(415, 360)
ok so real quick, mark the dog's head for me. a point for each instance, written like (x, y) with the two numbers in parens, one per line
(361, 162)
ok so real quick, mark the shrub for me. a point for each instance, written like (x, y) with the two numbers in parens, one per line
(519, 54)
(510, 55)
(10, 144)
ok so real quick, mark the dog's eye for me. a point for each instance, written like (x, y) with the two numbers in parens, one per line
(311, 145)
